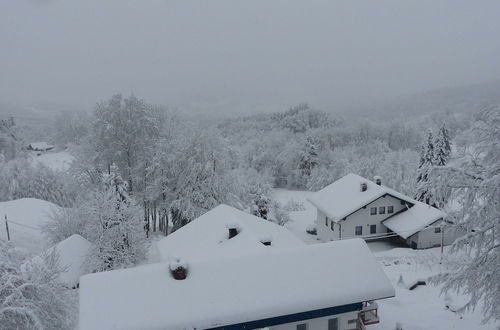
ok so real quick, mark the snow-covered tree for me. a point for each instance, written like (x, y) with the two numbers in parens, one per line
(308, 159)
(426, 162)
(442, 147)
(123, 128)
(475, 183)
(114, 226)
(31, 296)
(20, 179)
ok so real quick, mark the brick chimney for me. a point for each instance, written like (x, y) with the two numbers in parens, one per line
(233, 230)
(178, 269)
(363, 186)
(267, 241)
(378, 180)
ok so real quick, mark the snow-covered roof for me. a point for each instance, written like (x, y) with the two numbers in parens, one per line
(344, 196)
(413, 219)
(41, 146)
(233, 290)
(207, 236)
(26, 216)
(72, 253)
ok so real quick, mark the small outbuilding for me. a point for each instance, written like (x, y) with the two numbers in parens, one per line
(40, 146)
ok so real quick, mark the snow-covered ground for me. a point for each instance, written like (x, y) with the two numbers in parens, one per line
(25, 218)
(56, 160)
(418, 309)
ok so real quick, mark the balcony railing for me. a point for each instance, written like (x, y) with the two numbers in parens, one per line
(368, 315)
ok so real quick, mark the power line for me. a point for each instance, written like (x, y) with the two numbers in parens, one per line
(23, 225)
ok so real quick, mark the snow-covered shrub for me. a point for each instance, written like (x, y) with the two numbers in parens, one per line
(31, 296)
(279, 214)
(293, 206)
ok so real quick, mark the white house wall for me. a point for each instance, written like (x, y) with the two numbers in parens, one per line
(362, 217)
(322, 323)
(427, 238)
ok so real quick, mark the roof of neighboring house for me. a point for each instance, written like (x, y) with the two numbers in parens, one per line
(413, 219)
(344, 196)
(234, 290)
(26, 216)
(72, 253)
(207, 236)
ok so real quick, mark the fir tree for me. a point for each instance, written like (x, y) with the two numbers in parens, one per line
(309, 157)
(426, 162)
(442, 147)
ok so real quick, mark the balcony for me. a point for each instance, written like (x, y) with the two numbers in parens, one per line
(368, 315)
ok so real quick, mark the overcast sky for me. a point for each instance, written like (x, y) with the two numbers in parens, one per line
(256, 53)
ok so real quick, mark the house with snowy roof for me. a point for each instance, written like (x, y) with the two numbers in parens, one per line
(357, 207)
(40, 146)
(206, 236)
(279, 288)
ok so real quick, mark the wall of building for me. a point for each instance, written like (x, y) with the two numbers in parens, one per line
(322, 323)
(362, 218)
(428, 237)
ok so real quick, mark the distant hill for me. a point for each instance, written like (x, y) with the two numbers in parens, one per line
(454, 99)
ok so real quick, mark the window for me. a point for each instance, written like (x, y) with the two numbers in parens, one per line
(331, 225)
(437, 230)
(333, 324)
(390, 209)
(381, 210)
(373, 229)
(373, 211)
(359, 230)
(302, 326)
(326, 221)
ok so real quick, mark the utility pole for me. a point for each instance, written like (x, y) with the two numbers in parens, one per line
(442, 240)
(7, 227)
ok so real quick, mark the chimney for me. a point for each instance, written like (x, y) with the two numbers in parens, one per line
(178, 269)
(378, 180)
(363, 186)
(267, 241)
(233, 230)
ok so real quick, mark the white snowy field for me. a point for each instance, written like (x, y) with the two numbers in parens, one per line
(55, 160)
(420, 309)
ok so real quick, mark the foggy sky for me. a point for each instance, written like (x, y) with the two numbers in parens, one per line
(256, 53)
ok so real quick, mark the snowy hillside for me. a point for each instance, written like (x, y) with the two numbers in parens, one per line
(55, 160)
